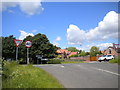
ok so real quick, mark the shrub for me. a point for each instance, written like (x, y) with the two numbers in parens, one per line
(8, 68)
(59, 56)
(54, 61)
(115, 60)
(74, 55)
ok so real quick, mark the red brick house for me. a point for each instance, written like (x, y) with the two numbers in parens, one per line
(64, 52)
(114, 50)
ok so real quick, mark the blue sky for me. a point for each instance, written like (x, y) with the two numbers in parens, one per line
(65, 23)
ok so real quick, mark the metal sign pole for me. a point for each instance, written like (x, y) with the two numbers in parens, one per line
(16, 54)
(27, 55)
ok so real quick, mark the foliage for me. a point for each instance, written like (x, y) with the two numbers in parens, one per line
(94, 51)
(54, 61)
(115, 60)
(64, 55)
(59, 56)
(72, 49)
(17, 76)
(83, 53)
(66, 62)
(74, 55)
(87, 53)
(8, 47)
(40, 46)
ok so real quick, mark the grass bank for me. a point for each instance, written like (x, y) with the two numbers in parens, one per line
(18, 76)
(67, 62)
(116, 60)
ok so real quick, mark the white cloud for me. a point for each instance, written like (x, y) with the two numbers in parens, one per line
(24, 34)
(102, 46)
(29, 8)
(55, 42)
(58, 38)
(34, 30)
(106, 29)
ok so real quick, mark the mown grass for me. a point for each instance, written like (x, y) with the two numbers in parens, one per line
(116, 60)
(18, 76)
(67, 62)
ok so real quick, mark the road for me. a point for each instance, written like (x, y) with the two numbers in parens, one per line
(85, 75)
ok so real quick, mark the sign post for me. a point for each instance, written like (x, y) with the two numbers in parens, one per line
(17, 42)
(39, 57)
(28, 44)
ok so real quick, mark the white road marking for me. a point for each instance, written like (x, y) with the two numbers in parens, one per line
(62, 66)
(107, 71)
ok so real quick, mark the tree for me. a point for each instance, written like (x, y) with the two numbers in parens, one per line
(94, 51)
(64, 55)
(40, 46)
(83, 53)
(8, 47)
(72, 49)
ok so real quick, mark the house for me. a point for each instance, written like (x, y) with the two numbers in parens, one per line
(65, 53)
(112, 50)
(73, 53)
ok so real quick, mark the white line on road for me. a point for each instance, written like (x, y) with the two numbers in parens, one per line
(62, 66)
(108, 71)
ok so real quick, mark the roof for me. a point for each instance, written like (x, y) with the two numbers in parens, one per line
(102, 51)
(73, 53)
(63, 50)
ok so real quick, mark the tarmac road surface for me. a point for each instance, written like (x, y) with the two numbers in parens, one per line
(85, 75)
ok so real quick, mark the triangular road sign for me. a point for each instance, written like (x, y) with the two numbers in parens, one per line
(17, 42)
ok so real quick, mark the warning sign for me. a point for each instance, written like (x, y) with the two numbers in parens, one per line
(17, 42)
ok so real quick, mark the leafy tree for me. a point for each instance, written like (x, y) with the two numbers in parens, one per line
(8, 47)
(83, 53)
(40, 46)
(64, 55)
(94, 51)
(87, 53)
(72, 49)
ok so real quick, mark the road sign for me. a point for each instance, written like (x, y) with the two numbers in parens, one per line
(28, 44)
(17, 42)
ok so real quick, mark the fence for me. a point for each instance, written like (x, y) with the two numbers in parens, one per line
(87, 58)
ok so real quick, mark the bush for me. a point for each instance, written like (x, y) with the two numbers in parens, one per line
(54, 61)
(8, 68)
(116, 60)
(59, 56)
(74, 55)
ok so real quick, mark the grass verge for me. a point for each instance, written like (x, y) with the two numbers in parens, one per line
(18, 76)
(67, 62)
(116, 60)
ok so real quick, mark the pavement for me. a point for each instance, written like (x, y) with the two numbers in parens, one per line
(85, 75)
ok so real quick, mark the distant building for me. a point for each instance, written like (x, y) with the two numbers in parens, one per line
(112, 50)
(65, 53)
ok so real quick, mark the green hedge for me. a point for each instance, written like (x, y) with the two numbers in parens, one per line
(116, 60)
(54, 61)
(74, 55)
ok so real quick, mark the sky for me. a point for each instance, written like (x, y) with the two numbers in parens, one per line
(66, 24)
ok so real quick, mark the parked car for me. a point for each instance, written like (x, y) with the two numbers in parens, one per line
(105, 58)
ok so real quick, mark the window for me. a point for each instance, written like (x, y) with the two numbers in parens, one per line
(110, 51)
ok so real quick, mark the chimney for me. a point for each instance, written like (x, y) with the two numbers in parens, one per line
(114, 45)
